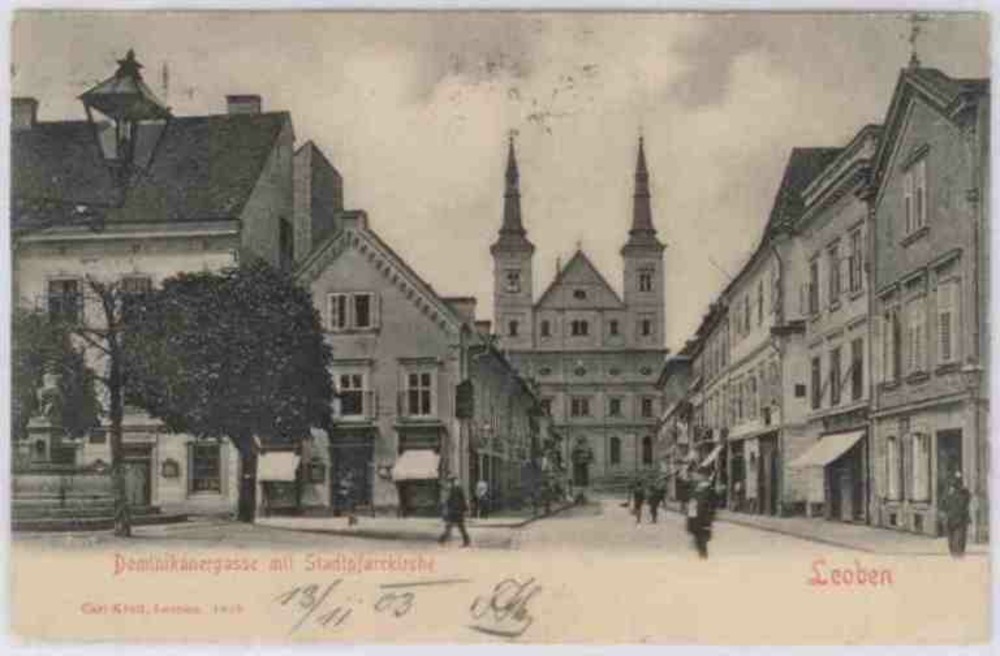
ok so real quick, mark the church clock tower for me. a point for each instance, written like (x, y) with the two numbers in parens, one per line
(643, 267)
(512, 254)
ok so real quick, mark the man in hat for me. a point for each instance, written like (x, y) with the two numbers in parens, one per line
(455, 508)
(701, 510)
(955, 506)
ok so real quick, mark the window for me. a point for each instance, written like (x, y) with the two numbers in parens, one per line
(645, 280)
(579, 328)
(814, 287)
(615, 451)
(916, 335)
(547, 405)
(920, 463)
(546, 328)
(947, 323)
(892, 356)
(356, 311)
(512, 281)
(580, 294)
(752, 396)
(512, 328)
(893, 463)
(775, 289)
(915, 197)
(131, 288)
(613, 327)
(98, 436)
(579, 406)
(351, 391)
(338, 311)
(647, 450)
(835, 376)
(855, 261)
(65, 300)
(614, 407)
(857, 369)
(205, 468)
(760, 302)
(833, 273)
(286, 244)
(646, 327)
(817, 382)
(746, 313)
(647, 407)
(362, 311)
(419, 394)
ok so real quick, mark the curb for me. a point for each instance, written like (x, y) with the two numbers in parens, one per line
(397, 534)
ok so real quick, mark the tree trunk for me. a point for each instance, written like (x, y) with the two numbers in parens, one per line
(247, 505)
(123, 519)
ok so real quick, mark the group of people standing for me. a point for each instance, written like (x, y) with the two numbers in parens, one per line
(696, 494)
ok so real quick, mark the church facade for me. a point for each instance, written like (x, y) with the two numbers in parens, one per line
(594, 354)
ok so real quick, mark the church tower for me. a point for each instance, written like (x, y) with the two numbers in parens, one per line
(512, 254)
(643, 267)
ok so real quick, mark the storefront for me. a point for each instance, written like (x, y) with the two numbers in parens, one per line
(839, 489)
(417, 474)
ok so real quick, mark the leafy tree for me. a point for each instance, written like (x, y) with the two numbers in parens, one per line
(238, 354)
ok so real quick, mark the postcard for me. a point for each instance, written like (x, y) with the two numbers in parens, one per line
(500, 327)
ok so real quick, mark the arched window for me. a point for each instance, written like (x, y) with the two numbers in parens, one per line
(615, 455)
(647, 450)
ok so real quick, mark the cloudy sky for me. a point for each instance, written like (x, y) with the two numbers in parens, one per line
(414, 110)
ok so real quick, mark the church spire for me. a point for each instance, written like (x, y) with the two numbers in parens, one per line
(642, 232)
(512, 233)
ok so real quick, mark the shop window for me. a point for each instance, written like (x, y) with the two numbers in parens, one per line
(205, 469)
(920, 467)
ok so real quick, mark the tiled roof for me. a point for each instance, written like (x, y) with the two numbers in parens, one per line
(203, 168)
(804, 164)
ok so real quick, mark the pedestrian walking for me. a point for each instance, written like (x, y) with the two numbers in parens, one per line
(701, 511)
(482, 498)
(455, 508)
(656, 495)
(638, 497)
(956, 515)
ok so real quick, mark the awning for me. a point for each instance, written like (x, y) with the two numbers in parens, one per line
(828, 449)
(416, 465)
(711, 458)
(277, 466)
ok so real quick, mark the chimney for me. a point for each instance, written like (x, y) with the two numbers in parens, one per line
(243, 104)
(23, 113)
(463, 306)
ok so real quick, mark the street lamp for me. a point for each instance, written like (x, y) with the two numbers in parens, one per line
(972, 373)
(130, 120)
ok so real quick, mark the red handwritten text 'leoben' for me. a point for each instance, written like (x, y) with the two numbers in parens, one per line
(846, 576)
(235, 565)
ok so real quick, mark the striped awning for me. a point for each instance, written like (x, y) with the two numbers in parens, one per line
(416, 465)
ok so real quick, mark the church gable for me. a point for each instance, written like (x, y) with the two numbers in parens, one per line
(579, 285)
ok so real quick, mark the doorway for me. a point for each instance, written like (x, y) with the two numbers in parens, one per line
(138, 491)
(949, 462)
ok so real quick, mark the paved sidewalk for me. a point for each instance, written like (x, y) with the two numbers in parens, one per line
(396, 528)
(859, 537)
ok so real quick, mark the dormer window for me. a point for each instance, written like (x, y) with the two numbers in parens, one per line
(915, 196)
(580, 294)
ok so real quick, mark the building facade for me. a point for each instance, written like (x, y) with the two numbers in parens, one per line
(402, 358)
(217, 190)
(594, 354)
(930, 228)
(833, 235)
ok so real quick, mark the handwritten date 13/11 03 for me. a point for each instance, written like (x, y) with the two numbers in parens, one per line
(314, 604)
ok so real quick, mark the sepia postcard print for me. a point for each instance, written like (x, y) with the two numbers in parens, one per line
(504, 327)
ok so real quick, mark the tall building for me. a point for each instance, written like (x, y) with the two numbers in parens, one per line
(595, 354)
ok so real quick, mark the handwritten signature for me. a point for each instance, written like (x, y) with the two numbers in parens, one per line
(503, 612)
